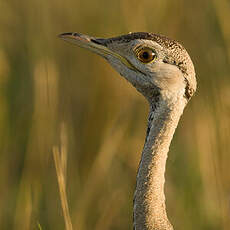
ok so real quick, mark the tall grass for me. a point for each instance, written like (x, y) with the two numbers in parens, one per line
(62, 188)
(45, 82)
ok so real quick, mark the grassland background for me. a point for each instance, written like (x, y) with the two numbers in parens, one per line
(53, 93)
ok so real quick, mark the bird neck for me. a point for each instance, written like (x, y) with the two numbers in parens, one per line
(149, 199)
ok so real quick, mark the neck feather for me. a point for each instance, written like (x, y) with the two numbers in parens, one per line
(149, 198)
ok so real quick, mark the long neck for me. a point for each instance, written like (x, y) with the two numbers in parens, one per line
(149, 198)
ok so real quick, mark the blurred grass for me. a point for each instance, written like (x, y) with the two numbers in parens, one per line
(45, 82)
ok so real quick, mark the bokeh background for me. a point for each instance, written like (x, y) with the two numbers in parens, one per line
(55, 94)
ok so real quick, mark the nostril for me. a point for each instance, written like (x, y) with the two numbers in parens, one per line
(99, 41)
(95, 41)
(76, 34)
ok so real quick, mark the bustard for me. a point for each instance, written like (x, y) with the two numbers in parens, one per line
(162, 71)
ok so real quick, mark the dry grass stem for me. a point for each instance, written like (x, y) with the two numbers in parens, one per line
(62, 185)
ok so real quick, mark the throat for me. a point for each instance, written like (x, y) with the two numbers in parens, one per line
(153, 108)
(154, 104)
(149, 198)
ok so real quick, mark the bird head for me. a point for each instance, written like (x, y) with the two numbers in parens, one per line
(153, 64)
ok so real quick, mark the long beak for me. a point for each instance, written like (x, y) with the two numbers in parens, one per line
(97, 45)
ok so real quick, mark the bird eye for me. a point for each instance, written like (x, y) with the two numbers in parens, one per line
(146, 54)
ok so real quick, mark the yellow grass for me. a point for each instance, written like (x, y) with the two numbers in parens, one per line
(45, 82)
(60, 159)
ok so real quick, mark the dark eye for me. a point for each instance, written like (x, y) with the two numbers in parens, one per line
(146, 54)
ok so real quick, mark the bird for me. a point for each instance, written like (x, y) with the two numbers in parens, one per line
(161, 70)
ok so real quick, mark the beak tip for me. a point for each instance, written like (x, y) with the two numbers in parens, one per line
(63, 35)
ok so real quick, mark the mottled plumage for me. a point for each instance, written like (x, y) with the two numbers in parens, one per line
(177, 55)
(166, 78)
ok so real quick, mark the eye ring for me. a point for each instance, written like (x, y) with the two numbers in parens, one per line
(145, 54)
